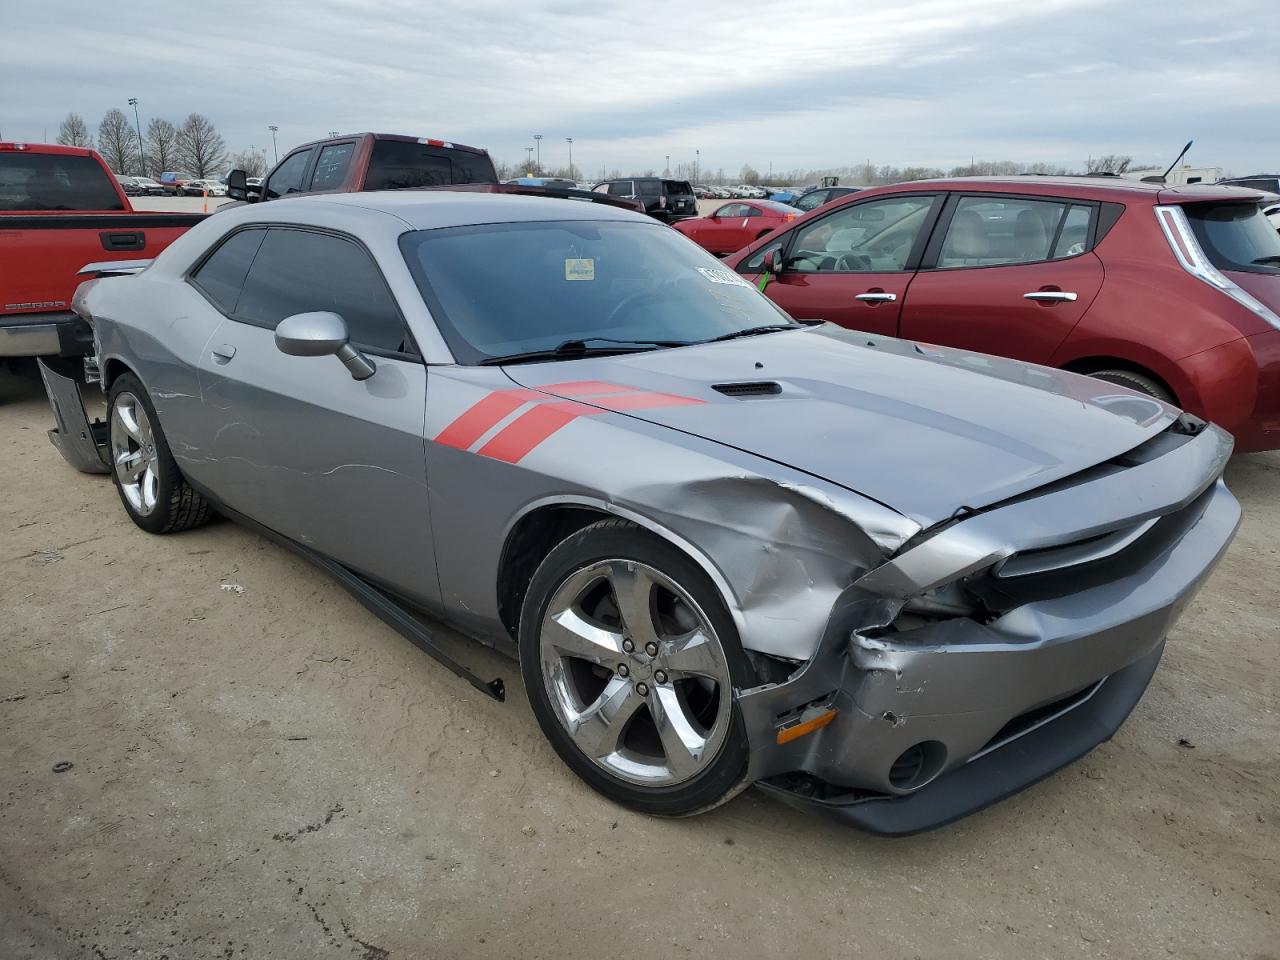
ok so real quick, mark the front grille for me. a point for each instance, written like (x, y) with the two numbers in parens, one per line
(1024, 723)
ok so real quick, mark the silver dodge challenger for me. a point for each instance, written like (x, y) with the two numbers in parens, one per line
(882, 580)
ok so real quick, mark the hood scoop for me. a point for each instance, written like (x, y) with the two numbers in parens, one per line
(749, 388)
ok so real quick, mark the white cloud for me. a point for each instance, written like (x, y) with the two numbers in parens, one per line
(922, 82)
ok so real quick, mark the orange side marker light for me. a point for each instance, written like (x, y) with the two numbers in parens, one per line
(795, 732)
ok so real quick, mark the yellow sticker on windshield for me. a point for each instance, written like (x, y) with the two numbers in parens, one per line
(579, 269)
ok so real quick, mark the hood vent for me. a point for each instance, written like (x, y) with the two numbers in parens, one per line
(752, 388)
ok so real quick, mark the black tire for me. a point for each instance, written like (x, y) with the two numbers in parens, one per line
(1140, 382)
(725, 776)
(177, 506)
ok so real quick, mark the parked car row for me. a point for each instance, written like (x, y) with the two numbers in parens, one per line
(140, 186)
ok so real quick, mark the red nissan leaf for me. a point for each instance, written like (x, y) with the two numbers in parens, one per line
(1171, 291)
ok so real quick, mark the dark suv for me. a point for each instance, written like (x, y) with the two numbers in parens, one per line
(667, 200)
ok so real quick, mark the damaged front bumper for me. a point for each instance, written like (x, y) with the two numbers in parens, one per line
(916, 726)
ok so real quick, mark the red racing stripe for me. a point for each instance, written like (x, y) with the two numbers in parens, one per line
(644, 401)
(481, 416)
(533, 426)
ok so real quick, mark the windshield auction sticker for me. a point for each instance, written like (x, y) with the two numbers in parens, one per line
(579, 269)
(717, 275)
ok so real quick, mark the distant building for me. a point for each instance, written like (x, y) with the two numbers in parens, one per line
(1179, 176)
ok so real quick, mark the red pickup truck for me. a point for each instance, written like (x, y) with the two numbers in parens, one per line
(60, 208)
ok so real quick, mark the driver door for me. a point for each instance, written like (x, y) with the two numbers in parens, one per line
(295, 443)
(852, 267)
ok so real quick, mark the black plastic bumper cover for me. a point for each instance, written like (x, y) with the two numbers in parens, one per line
(998, 774)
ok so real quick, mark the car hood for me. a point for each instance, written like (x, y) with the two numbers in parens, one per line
(924, 430)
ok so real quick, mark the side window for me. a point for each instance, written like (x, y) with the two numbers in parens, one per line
(1074, 238)
(872, 237)
(222, 275)
(755, 262)
(332, 166)
(602, 188)
(297, 271)
(620, 188)
(750, 211)
(288, 176)
(731, 210)
(992, 231)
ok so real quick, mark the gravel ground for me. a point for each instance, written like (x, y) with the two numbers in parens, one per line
(259, 768)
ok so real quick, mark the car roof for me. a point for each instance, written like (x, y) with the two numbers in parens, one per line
(426, 209)
(1085, 187)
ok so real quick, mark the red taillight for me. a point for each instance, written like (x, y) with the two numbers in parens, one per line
(662, 202)
(13, 146)
(434, 143)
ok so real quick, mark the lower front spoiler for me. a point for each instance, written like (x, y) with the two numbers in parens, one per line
(992, 776)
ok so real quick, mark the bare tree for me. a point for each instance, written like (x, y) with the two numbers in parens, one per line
(252, 162)
(1111, 163)
(161, 146)
(117, 142)
(74, 132)
(201, 150)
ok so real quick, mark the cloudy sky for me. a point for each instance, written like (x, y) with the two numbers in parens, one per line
(929, 82)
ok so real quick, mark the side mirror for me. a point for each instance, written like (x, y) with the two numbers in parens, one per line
(322, 334)
(772, 262)
(237, 185)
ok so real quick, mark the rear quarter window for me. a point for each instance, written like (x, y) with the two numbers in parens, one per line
(43, 182)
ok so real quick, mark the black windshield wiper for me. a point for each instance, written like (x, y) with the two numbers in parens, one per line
(754, 331)
(1269, 258)
(573, 349)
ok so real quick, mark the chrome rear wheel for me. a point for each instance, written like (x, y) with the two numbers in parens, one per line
(133, 454)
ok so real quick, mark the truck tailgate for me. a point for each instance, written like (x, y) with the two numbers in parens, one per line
(42, 252)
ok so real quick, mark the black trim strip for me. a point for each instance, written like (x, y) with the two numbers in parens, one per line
(100, 221)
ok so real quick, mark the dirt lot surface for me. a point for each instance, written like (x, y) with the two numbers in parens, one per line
(261, 769)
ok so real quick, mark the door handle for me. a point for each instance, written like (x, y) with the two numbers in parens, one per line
(876, 297)
(224, 353)
(1050, 296)
(122, 240)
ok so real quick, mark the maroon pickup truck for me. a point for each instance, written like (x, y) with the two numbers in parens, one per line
(60, 208)
(368, 161)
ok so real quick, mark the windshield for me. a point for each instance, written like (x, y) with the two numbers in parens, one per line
(502, 289)
(1236, 236)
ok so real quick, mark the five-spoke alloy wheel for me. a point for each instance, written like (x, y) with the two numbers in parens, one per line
(629, 659)
(152, 488)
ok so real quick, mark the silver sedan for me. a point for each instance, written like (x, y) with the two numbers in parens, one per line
(889, 582)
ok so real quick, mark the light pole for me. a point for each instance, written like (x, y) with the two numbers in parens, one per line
(537, 139)
(133, 102)
(697, 163)
(667, 170)
(569, 141)
(528, 159)
(274, 152)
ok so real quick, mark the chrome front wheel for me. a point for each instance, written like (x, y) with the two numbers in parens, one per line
(635, 673)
